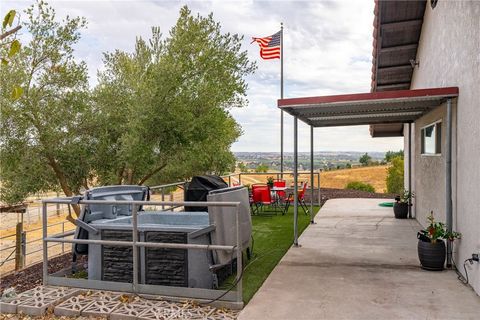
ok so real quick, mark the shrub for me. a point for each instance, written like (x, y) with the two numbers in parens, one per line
(357, 185)
(395, 176)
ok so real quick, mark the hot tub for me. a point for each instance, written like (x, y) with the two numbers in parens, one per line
(170, 267)
(173, 267)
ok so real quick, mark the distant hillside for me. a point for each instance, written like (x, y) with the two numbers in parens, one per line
(375, 176)
(339, 178)
(322, 160)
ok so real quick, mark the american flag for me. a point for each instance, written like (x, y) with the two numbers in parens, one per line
(269, 46)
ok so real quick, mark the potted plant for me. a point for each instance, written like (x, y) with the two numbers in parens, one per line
(270, 182)
(431, 244)
(402, 202)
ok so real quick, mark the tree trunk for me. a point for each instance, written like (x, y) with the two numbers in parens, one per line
(62, 180)
(149, 175)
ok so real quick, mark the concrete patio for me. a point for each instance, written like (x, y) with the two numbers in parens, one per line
(358, 262)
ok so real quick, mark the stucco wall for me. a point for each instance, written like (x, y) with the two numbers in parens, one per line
(449, 55)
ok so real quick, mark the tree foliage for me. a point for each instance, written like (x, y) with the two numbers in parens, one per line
(165, 107)
(158, 114)
(365, 159)
(44, 133)
(395, 176)
(261, 168)
(358, 185)
(242, 167)
(11, 46)
(389, 155)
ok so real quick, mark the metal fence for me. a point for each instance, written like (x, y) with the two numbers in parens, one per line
(23, 247)
(232, 299)
(236, 179)
(24, 251)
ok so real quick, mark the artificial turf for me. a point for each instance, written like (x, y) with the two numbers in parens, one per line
(273, 236)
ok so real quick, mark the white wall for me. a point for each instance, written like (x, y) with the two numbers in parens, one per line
(449, 55)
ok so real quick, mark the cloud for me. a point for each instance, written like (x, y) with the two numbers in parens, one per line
(327, 50)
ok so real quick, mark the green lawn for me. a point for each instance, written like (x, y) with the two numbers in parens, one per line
(273, 236)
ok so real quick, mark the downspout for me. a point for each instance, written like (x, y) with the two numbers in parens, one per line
(448, 179)
(410, 168)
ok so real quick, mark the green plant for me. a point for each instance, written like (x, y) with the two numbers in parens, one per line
(438, 230)
(261, 168)
(390, 155)
(270, 181)
(395, 176)
(357, 185)
(365, 159)
(406, 196)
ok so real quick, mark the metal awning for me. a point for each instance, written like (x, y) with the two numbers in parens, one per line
(401, 106)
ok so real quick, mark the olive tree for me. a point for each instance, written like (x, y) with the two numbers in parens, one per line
(165, 107)
(43, 133)
(157, 114)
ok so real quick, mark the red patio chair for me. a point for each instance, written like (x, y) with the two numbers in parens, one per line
(261, 197)
(301, 199)
(281, 184)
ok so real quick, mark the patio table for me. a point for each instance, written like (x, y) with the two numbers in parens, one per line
(275, 191)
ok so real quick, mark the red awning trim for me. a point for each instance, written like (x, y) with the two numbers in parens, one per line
(399, 94)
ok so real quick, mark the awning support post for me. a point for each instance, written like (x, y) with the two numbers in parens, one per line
(311, 175)
(410, 168)
(295, 181)
(448, 179)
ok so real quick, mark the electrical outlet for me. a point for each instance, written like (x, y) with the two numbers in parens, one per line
(475, 257)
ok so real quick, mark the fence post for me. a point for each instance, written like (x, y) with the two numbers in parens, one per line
(163, 198)
(19, 246)
(58, 205)
(229, 181)
(63, 232)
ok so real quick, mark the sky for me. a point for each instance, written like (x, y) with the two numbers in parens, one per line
(327, 50)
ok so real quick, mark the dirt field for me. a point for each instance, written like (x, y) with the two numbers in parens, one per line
(376, 176)
(333, 179)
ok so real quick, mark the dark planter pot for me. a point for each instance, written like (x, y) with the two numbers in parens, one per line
(432, 255)
(400, 209)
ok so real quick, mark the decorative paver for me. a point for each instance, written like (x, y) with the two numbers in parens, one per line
(37, 306)
(10, 305)
(73, 306)
(112, 305)
(100, 308)
(104, 295)
(129, 311)
(37, 300)
(187, 310)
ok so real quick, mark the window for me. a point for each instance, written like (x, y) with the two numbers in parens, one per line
(432, 139)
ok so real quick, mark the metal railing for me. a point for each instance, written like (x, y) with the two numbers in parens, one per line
(23, 250)
(231, 178)
(231, 299)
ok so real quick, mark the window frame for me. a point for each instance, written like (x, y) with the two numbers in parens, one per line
(438, 142)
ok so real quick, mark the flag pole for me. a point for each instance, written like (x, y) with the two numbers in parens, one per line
(281, 97)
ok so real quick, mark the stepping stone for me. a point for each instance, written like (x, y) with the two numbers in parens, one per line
(72, 306)
(36, 306)
(10, 305)
(37, 300)
(100, 308)
(105, 296)
(129, 311)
